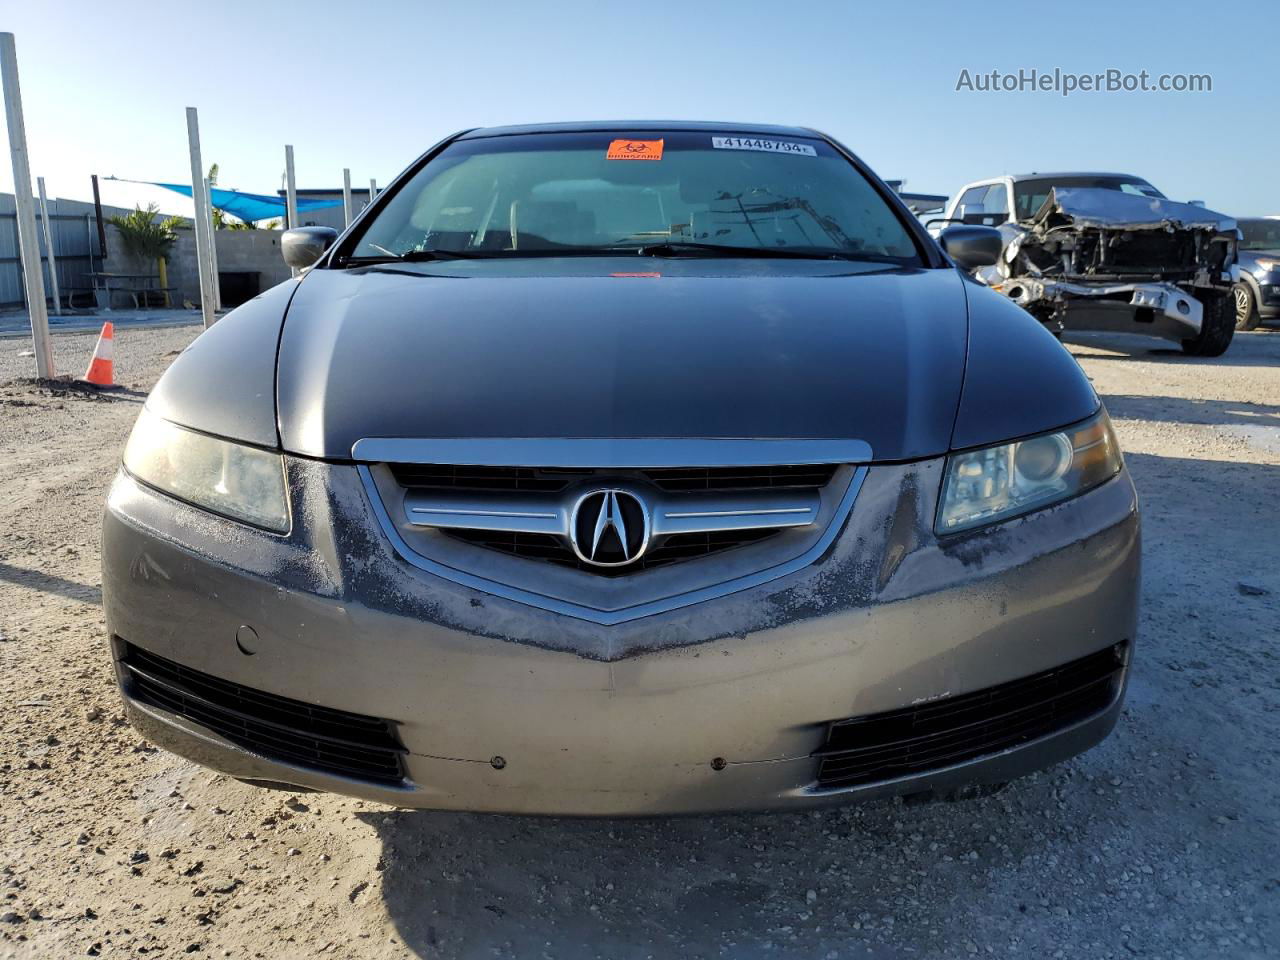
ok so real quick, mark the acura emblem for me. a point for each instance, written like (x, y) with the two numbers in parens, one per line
(609, 528)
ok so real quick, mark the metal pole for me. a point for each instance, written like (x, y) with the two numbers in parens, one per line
(346, 197)
(213, 246)
(373, 189)
(48, 245)
(203, 261)
(97, 212)
(28, 245)
(291, 194)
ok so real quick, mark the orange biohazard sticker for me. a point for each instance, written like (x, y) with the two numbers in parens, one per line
(634, 150)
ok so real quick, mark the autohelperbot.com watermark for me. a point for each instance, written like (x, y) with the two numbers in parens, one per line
(1066, 82)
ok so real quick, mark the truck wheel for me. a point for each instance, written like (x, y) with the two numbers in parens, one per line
(1246, 307)
(1217, 326)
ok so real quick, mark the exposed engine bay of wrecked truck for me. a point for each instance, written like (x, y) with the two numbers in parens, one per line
(1094, 258)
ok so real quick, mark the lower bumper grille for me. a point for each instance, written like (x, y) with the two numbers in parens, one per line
(278, 728)
(930, 736)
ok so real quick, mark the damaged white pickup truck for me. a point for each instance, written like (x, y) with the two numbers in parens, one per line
(1105, 251)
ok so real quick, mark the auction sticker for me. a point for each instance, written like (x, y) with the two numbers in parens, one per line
(634, 150)
(765, 146)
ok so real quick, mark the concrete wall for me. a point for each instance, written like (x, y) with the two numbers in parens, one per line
(253, 250)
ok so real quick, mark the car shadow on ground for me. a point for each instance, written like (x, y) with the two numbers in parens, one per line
(1248, 349)
(50, 583)
(1188, 410)
(1166, 810)
(471, 885)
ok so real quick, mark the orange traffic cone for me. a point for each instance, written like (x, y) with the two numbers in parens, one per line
(101, 372)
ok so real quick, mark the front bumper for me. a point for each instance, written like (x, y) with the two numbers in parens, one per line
(1269, 296)
(718, 706)
(1158, 309)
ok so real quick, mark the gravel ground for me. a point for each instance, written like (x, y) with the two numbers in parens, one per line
(1162, 842)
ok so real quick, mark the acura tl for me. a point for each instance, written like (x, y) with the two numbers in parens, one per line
(625, 469)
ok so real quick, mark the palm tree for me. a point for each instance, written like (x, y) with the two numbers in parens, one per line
(219, 218)
(144, 237)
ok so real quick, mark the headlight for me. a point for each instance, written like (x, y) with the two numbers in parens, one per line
(996, 483)
(1268, 264)
(240, 482)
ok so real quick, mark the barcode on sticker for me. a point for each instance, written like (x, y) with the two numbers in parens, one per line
(766, 146)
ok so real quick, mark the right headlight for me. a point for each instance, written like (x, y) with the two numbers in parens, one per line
(1005, 481)
(243, 483)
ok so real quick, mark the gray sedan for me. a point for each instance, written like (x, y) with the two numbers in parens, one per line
(1257, 294)
(617, 469)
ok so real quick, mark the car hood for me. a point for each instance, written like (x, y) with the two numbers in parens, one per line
(1253, 256)
(595, 348)
(1100, 208)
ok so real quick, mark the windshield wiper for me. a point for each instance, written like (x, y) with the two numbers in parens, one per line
(410, 256)
(675, 248)
(669, 248)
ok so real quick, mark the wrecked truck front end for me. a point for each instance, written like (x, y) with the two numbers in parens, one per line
(1102, 259)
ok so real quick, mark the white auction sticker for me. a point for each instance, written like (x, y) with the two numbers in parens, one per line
(766, 146)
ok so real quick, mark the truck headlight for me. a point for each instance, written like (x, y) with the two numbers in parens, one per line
(243, 483)
(1004, 481)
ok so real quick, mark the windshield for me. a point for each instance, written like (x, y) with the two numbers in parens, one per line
(1260, 234)
(1029, 195)
(592, 193)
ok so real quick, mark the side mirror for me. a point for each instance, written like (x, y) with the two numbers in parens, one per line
(972, 247)
(303, 246)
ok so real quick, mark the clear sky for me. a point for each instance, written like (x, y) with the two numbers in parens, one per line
(371, 85)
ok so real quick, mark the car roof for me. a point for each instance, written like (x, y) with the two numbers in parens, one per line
(1072, 173)
(642, 126)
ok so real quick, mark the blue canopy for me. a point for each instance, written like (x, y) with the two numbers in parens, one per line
(249, 206)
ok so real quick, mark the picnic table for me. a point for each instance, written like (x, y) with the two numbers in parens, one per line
(102, 285)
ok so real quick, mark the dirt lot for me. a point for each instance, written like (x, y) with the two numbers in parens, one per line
(1163, 842)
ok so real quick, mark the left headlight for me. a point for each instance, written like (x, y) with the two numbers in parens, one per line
(1005, 481)
(243, 483)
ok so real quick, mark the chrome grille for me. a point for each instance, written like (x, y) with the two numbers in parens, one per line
(431, 476)
(540, 513)
(542, 546)
(461, 477)
(709, 479)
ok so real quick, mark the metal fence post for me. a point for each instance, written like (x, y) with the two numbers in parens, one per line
(213, 245)
(48, 244)
(346, 197)
(28, 242)
(290, 194)
(201, 219)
